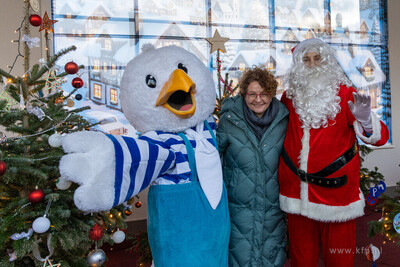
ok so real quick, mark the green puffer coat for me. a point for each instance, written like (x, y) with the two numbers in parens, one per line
(250, 169)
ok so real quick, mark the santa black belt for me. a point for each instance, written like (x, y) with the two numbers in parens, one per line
(318, 178)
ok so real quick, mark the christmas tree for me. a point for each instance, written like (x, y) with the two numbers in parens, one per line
(39, 223)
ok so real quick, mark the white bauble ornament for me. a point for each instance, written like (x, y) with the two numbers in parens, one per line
(96, 258)
(118, 236)
(55, 140)
(63, 184)
(41, 225)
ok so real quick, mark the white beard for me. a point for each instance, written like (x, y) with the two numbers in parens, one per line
(315, 96)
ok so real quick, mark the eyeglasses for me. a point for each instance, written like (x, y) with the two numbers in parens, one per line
(253, 96)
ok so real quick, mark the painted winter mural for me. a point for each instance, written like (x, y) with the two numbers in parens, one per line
(262, 32)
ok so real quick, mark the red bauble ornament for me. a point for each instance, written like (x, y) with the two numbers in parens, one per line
(36, 196)
(71, 67)
(35, 20)
(138, 204)
(96, 232)
(77, 82)
(128, 212)
(3, 168)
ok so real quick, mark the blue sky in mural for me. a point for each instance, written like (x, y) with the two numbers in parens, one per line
(110, 33)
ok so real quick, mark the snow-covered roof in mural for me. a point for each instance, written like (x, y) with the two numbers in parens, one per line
(260, 57)
(352, 65)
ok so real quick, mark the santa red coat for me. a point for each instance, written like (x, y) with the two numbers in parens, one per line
(312, 150)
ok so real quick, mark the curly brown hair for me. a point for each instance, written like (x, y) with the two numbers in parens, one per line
(266, 80)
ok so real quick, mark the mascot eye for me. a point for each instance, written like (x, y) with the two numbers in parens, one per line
(182, 67)
(151, 81)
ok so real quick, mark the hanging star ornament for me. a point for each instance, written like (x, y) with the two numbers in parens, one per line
(53, 82)
(217, 42)
(48, 263)
(47, 24)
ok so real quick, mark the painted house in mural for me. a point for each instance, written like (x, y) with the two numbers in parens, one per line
(184, 41)
(363, 71)
(105, 59)
(106, 69)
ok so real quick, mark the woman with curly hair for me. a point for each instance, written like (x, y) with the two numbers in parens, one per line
(250, 137)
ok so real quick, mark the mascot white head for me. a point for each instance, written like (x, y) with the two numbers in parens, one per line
(166, 89)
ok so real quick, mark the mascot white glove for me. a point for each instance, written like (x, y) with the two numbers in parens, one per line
(90, 162)
(361, 109)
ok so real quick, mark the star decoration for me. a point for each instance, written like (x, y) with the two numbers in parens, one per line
(217, 42)
(48, 263)
(53, 82)
(47, 24)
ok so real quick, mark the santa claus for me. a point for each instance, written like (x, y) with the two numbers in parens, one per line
(319, 168)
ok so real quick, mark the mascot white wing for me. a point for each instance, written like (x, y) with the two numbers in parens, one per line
(110, 169)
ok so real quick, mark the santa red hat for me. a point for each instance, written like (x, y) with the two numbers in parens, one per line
(308, 43)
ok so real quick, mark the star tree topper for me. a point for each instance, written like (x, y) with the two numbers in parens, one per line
(47, 24)
(217, 42)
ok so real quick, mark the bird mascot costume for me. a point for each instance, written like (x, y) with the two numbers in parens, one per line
(168, 95)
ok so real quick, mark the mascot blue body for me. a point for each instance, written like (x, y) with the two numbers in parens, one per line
(168, 95)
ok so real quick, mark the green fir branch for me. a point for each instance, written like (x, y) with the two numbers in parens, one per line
(50, 64)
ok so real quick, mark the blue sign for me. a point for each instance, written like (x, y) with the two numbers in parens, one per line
(378, 189)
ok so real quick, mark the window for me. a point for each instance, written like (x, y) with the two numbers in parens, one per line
(108, 44)
(113, 69)
(368, 71)
(96, 64)
(357, 29)
(113, 96)
(97, 90)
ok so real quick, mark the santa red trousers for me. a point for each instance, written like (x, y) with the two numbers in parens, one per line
(307, 237)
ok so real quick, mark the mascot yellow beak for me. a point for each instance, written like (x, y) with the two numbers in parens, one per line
(177, 94)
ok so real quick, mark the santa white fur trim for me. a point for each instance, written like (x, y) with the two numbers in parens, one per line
(376, 130)
(321, 212)
(305, 151)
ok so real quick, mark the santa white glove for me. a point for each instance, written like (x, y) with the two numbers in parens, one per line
(89, 162)
(361, 109)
